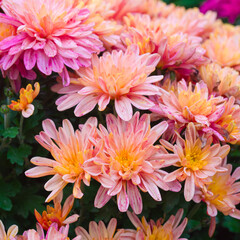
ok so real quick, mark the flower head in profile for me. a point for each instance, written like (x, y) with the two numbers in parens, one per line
(221, 81)
(11, 233)
(51, 35)
(224, 8)
(227, 126)
(157, 230)
(197, 162)
(121, 77)
(57, 214)
(223, 46)
(222, 194)
(52, 233)
(130, 157)
(23, 104)
(70, 150)
(100, 231)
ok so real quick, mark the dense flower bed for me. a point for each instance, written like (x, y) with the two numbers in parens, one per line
(132, 108)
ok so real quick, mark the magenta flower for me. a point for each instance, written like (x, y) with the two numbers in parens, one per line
(225, 8)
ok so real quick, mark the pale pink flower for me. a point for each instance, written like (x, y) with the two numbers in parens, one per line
(157, 230)
(223, 46)
(10, 234)
(197, 161)
(190, 21)
(121, 77)
(52, 234)
(70, 150)
(122, 7)
(107, 29)
(221, 81)
(132, 161)
(50, 34)
(101, 232)
(178, 50)
(222, 194)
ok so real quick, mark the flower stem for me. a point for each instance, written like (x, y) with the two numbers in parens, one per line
(21, 130)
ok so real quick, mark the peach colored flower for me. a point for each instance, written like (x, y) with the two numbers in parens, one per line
(157, 230)
(223, 46)
(107, 29)
(179, 51)
(100, 231)
(132, 161)
(23, 104)
(197, 161)
(122, 7)
(190, 21)
(221, 81)
(57, 214)
(158, 9)
(118, 76)
(51, 35)
(52, 234)
(70, 150)
(11, 233)
(189, 104)
(227, 126)
(222, 194)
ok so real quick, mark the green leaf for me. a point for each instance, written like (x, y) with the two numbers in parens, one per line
(8, 190)
(17, 155)
(5, 203)
(11, 132)
(232, 224)
(27, 201)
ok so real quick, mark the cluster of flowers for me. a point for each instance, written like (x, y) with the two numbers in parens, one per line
(181, 65)
(56, 224)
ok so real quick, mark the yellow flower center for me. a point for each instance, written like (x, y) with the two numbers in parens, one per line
(220, 188)
(6, 30)
(195, 103)
(126, 160)
(70, 158)
(160, 233)
(193, 157)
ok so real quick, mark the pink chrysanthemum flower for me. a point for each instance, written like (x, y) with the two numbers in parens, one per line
(107, 29)
(221, 81)
(11, 233)
(197, 161)
(225, 8)
(100, 231)
(227, 126)
(52, 234)
(179, 51)
(49, 34)
(157, 230)
(190, 21)
(122, 7)
(222, 194)
(121, 77)
(188, 104)
(131, 160)
(70, 150)
(223, 46)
